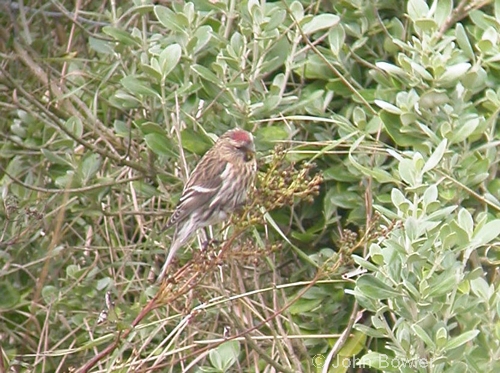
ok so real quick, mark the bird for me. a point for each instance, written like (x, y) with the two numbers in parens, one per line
(217, 187)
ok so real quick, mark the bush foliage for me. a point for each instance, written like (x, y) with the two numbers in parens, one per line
(371, 240)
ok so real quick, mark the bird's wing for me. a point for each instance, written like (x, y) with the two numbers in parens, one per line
(203, 184)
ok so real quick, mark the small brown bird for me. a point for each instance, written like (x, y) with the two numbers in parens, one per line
(216, 188)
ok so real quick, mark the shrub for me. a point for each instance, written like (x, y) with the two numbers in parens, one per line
(371, 238)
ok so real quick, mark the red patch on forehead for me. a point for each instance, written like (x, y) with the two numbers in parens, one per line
(240, 136)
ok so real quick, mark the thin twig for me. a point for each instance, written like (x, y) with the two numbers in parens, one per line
(342, 340)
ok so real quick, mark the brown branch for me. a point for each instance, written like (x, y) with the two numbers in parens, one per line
(61, 98)
(69, 190)
(56, 122)
(460, 12)
(245, 333)
(342, 340)
(161, 298)
(152, 304)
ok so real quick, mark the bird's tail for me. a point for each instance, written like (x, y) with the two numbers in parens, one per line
(181, 236)
(171, 253)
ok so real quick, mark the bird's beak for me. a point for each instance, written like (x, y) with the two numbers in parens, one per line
(251, 148)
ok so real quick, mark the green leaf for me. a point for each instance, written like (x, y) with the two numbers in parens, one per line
(75, 126)
(169, 58)
(465, 130)
(320, 22)
(101, 46)
(388, 107)
(435, 157)
(419, 70)
(374, 360)
(463, 41)
(304, 305)
(270, 136)
(365, 263)
(10, 296)
(145, 190)
(433, 99)
(121, 128)
(354, 344)
(407, 172)
(297, 11)
(422, 334)
(443, 11)
(377, 173)
(254, 9)
(441, 336)
(91, 164)
(168, 18)
(376, 254)
(137, 87)
(50, 294)
(276, 20)
(487, 233)
(426, 24)
(66, 180)
(104, 283)
(340, 198)
(340, 173)
(442, 284)
(153, 71)
(225, 355)
(465, 221)
(203, 36)
(394, 127)
(391, 69)
(373, 288)
(461, 339)
(370, 332)
(195, 142)
(316, 292)
(329, 206)
(441, 213)
(205, 73)
(481, 288)
(412, 228)
(122, 36)
(124, 100)
(336, 38)
(430, 195)
(417, 9)
(147, 127)
(73, 271)
(160, 144)
(454, 73)
(54, 158)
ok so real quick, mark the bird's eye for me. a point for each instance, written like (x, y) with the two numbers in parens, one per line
(248, 157)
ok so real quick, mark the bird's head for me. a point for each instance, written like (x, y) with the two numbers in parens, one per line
(239, 141)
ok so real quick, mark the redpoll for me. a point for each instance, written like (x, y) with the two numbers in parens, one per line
(217, 187)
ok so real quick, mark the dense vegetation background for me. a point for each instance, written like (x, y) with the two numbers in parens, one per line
(372, 239)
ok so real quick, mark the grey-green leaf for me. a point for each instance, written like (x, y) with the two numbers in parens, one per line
(461, 339)
(138, 87)
(320, 22)
(373, 288)
(435, 157)
(159, 144)
(169, 58)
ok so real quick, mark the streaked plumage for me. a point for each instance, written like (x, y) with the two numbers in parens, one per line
(217, 187)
